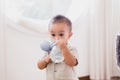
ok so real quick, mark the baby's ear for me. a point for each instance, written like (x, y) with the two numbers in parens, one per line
(70, 34)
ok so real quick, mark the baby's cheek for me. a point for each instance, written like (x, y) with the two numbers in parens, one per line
(52, 38)
(63, 41)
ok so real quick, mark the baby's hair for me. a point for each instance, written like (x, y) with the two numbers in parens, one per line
(61, 19)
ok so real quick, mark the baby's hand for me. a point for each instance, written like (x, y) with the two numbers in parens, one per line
(61, 43)
(48, 59)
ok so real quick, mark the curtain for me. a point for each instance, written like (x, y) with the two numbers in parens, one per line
(100, 40)
(2, 41)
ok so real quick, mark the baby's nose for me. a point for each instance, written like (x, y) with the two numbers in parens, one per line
(57, 38)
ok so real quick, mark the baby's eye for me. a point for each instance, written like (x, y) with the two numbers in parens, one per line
(53, 35)
(61, 35)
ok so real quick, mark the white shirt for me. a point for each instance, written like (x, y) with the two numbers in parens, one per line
(62, 71)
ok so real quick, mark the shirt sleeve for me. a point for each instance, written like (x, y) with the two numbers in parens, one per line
(74, 52)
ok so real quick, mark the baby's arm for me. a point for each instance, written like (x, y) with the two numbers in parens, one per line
(69, 58)
(44, 62)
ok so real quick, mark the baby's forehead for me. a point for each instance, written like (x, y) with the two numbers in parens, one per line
(61, 27)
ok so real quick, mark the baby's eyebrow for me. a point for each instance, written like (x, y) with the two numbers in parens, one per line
(62, 31)
(52, 31)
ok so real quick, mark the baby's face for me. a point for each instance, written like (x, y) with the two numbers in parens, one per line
(60, 31)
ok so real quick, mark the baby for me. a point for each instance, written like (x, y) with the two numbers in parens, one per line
(60, 30)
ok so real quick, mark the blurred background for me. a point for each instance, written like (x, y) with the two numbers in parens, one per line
(24, 23)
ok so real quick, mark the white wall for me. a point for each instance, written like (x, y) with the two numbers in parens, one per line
(2, 50)
(22, 54)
